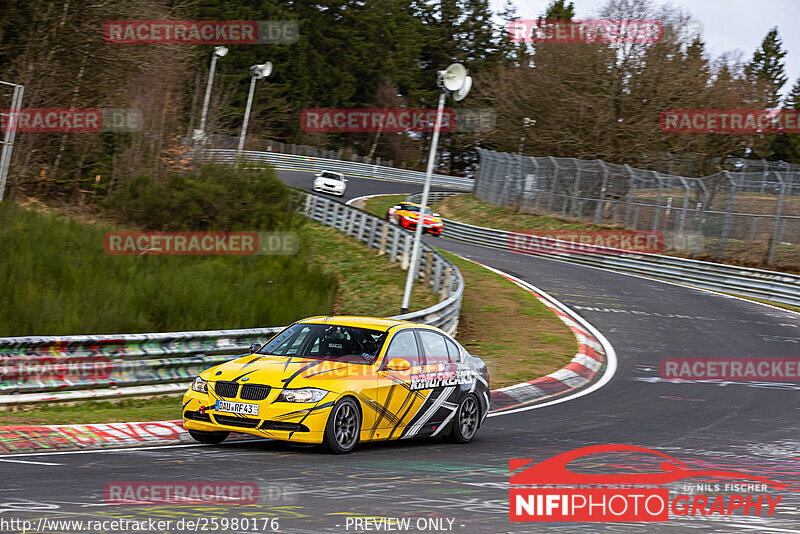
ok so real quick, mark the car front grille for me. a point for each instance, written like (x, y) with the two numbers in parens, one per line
(226, 389)
(254, 392)
(230, 420)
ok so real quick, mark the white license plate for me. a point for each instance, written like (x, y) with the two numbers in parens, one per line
(236, 407)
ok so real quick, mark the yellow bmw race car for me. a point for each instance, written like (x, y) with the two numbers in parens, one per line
(341, 380)
(406, 214)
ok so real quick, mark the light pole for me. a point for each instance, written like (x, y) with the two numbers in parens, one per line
(256, 73)
(219, 51)
(454, 81)
(10, 132)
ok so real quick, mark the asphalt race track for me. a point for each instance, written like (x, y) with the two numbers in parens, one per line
(751, 427)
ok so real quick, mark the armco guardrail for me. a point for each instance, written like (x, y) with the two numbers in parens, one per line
(434, 196)
(306, 163)
(39, 369)
(768, 285)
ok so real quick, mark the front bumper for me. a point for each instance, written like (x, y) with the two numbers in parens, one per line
(435, 230)
(302, 422)
(326, 189)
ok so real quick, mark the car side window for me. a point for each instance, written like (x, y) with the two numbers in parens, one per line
(404, 345)
(435, 347)
(453, 351)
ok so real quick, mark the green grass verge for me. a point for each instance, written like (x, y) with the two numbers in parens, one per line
(380, 205)
(369, 284)
(56, 279)
(467, 208)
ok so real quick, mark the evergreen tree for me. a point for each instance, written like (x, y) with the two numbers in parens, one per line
(767, 66)
(559, 10)
(786, 146)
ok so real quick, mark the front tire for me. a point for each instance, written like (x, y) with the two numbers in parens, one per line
(209, 438)
(466, 421)
(343, 428)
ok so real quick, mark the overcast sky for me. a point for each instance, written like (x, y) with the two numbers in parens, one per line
(727, 24)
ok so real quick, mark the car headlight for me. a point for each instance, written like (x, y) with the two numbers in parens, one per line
(302, 395)
(200, 385)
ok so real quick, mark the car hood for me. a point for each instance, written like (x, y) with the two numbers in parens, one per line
(330, 182)
(283, 372)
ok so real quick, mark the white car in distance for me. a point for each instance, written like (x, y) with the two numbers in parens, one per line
(330, 182)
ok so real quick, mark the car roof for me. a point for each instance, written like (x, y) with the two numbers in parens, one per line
(404, 203)
(374, 323)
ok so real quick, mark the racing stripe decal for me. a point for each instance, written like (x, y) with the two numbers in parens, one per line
(453, 410)
(416, 427)
(294, 375)
(409, 397)
(244, 375)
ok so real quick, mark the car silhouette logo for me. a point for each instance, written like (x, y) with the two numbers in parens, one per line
(554, 470)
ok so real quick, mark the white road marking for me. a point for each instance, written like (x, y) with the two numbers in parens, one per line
(123, 449)
(27, 462)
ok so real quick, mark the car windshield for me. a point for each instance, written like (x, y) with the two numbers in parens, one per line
(327, 342)
(332, 176)
(415, 209)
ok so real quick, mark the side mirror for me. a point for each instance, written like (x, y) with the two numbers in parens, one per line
(345, 179)
(396, 207)
(254, 347)
(436, 215)
(398, 364)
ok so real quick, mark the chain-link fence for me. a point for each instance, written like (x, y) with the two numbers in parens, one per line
(712, 215)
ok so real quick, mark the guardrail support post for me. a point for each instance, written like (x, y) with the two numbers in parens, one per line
(404, 259)
(428, 261)
(361, 226)
(448, 282)
(384, 237)
(395, 243)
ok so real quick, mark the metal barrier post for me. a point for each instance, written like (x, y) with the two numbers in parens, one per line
(776, 228)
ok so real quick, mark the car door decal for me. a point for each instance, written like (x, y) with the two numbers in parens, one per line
(432, 409)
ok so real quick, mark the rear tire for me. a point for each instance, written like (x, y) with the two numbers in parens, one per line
(209, 438)
(466, 421)
(343, 428)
